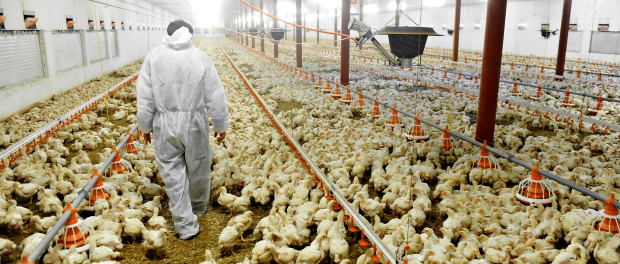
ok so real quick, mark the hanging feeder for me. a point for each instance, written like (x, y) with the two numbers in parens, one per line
(364, 242)
(538, 94)
(608, 220)
(535, 189)
(336, 94)
(376, 112)
(347, 99)
(327, 88)
(132, 147)
(394, 121)
(360, 99)
(446, 140)
(74, 232)
(99, 191)
(566, 102)
(352, 227)
(319, 83)
(515, 91)
(120, 165)
(417, 132)
(596, 106)
(486, 161)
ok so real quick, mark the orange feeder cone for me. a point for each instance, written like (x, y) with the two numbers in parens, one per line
(132, 147)
(394, 121)
(376, 112)
(347, 99)
(364, 242)
(417, 132)
(319, 84)
(73, 234)
(486, 161)
(609, 217)
(566, 100)
(99, 191)
(515, 91)
(120, 165)
(598, 106)
(535, 190)
(336, 94)
(446, 141)
(360, 99)
(538, 94)
(327, 88)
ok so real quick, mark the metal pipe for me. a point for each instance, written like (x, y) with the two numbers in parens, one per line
(383, 52)
(262, 25)
(298, 36)
(36, 253)
(397, 17)
(275, 25)
(317, 22)
(252, 25)
(245, 18)
(305, 30)
(335, 27)
(361, 6)
(457, 29)
(345, 49)
(491, 70)
(559, 67)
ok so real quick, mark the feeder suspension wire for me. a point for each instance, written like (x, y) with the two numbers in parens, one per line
(105, 96)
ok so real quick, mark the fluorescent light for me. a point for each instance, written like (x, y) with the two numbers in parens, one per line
(206, 12)
(433, 3)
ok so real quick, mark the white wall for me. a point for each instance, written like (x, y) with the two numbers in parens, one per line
(530, 12)
(132, 45)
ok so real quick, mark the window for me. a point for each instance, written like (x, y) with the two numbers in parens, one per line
(21, 57)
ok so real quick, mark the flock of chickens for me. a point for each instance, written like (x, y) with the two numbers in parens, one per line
(427, 205)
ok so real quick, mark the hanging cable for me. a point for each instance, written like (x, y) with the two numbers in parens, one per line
(105, 95)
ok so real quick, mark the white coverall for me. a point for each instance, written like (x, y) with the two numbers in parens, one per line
(177, 82)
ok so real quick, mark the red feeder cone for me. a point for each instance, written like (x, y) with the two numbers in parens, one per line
(446, 141)
(609, 217)
(566, 100)
(598, 106)
(535, 190)
(515, 91)
(99, 191)
(347, 99)
(327, 88)
(376, 112)
(538, 94)
(486, 161)
(132, 147)
(120, 165)
(360, 99)
(73, 232)
(417, 133)
(336, 94)
(394, 121)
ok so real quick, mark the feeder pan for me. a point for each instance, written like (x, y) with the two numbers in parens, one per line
(319, 84)
(327, 88)
(74, 234)
(360, 99)
(394, 121)
(446, 141)
(99, 191)
(417, 132)
(407, 43)
(347, 99)
(277, 34)
(566, 100)
(598, 106)
(515, 91)
(120, 165)
(538, 94)
(132, 147)
(376, 112)
(336, 94)
(535, 190)
(486, 161)
(609, 218)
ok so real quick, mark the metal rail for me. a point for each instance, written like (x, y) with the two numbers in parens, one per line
(66, 118)
(361, 222)
(509, 157)
(82, 194)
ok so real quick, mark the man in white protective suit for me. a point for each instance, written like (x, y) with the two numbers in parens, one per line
(177, 88)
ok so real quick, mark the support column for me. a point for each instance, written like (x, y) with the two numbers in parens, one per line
(275, 25)
(245, 18)
(298, 35)
(559, 67)
(335, 27)
(361, 4)
(491, 70)
(344, 49)
(262, 25)
(457, 29)
(317, 22)
(397, 17)
(252, 25)
(305, 25)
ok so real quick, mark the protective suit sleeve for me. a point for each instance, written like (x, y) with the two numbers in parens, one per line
(215, 98)
(146, 102)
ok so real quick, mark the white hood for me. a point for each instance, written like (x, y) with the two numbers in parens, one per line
(181, 39)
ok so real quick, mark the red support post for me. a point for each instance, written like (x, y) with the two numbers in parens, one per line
(298, 35)
(559, 67)
(344, 53)
(457, 29)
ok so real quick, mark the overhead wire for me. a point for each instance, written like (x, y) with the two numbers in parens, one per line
(103, 86)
